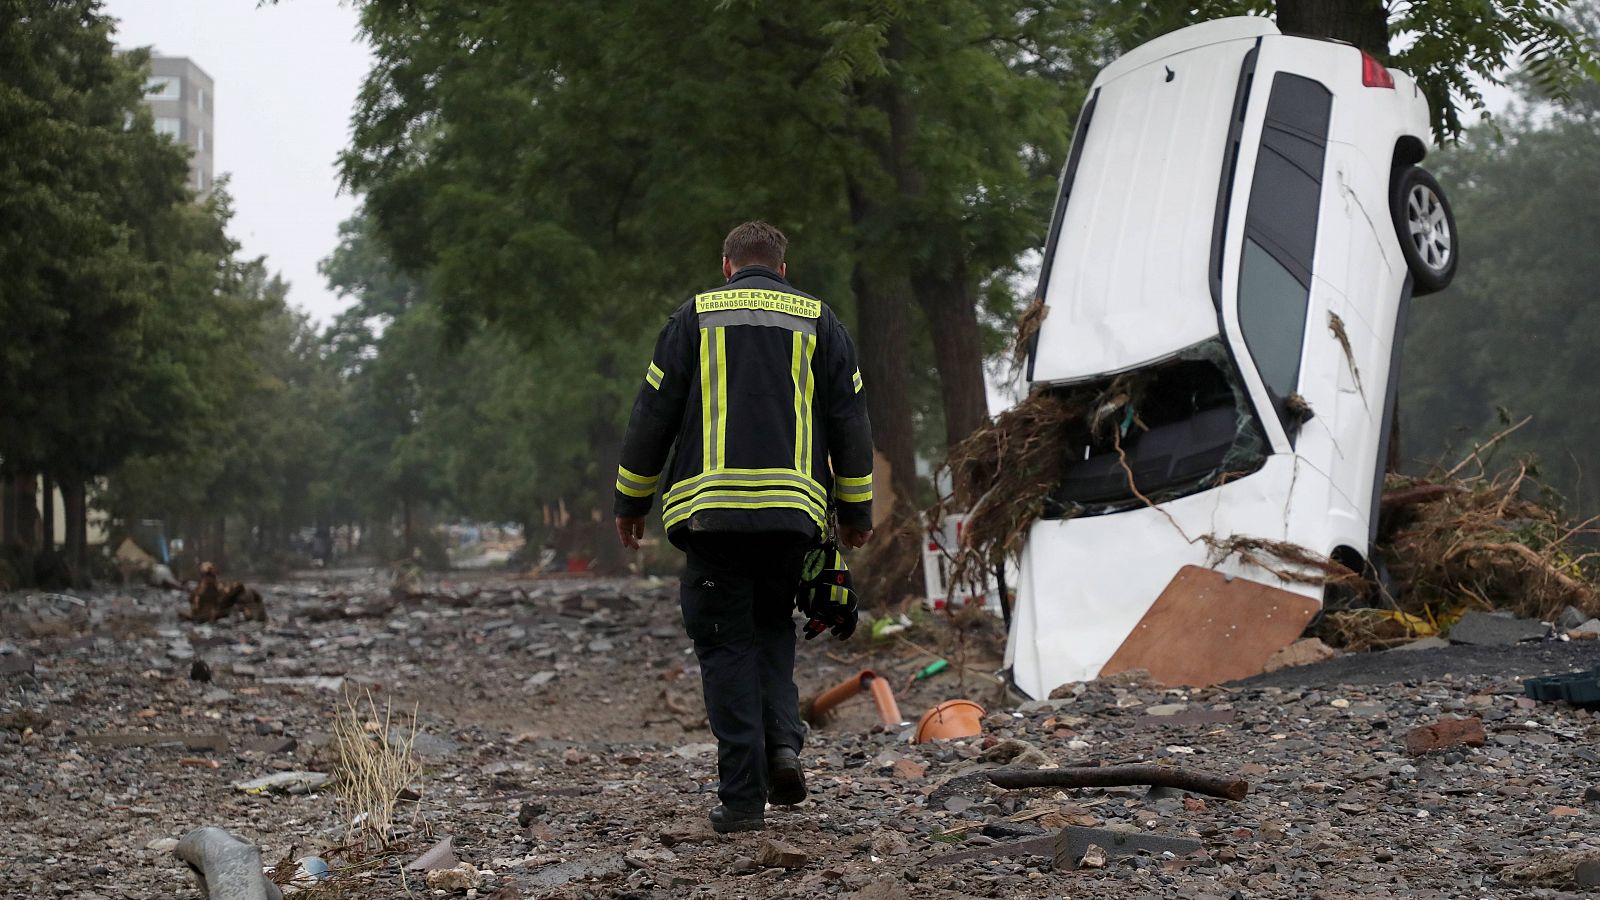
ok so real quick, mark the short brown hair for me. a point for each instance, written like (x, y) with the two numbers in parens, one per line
(755, 244)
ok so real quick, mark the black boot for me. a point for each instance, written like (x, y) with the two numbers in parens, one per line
(786, 781)
(725, 820)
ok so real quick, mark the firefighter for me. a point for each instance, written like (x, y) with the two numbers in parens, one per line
(754, 390)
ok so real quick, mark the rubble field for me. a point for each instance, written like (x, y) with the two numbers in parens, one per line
(563, 753)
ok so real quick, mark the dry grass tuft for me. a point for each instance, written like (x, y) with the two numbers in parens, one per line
(372, 768)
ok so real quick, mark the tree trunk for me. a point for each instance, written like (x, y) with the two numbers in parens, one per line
(408, 546)
(25, 497)
(883, 345)
(1364, 23)
(600, 534)
(48, 522)
(952, 315)
(74, 501)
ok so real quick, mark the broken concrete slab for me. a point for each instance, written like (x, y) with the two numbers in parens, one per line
(423, 744)
(216, 743)
(1074, 841)
(1427, 643)
(441, 855)
(226, 867)
(1483, 629)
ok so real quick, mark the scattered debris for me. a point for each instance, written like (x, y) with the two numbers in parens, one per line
(213, 599)
(1445, 734)
(225, 867)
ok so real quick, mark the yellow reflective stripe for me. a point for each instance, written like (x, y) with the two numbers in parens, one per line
(634, 484)
(707, 396)
(856, 380)
(774, 301)
(804, 347)
(776, 499)
(836, 594)
(632, 491)
(746, 478)
(848, 481)
(722, 399)
(654, 375)
(853, 496)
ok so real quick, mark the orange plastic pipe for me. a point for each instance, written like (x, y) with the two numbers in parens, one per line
(866, 679)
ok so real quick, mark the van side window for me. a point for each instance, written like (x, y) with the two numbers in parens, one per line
(1281, 230)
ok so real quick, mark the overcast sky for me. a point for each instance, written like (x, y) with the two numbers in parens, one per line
(286, 78)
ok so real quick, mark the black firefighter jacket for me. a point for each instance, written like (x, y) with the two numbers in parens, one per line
(755, 390)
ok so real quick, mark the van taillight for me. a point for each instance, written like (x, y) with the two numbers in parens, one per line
(1373, 74)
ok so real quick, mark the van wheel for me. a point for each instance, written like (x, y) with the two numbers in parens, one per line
(1426, 227)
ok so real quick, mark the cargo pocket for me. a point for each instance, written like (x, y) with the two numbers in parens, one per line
(715, 611)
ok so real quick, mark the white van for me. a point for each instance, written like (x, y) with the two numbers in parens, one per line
(1241, 224)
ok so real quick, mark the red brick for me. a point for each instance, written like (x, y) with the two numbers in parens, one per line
(1444, 735)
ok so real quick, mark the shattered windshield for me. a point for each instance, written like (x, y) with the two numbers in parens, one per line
(1173, 428)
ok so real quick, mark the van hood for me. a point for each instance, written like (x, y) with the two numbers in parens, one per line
(1129, 280)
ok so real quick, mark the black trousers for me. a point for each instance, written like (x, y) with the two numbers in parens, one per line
(738, 603)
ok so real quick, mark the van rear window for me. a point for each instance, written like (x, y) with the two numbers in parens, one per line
(1281, 230)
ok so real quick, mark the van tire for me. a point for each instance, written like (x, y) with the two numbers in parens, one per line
(1426, 227)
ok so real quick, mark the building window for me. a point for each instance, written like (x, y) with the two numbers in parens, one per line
(200, 98)
(199, 180)
(169, 126)
(200, 140)
(163, 87)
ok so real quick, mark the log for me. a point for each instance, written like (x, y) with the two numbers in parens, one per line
(1224, 786)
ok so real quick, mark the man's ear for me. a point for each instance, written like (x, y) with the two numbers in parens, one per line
(783, 270)
(727, 267)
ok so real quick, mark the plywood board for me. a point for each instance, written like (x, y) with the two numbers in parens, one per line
(1207, 628)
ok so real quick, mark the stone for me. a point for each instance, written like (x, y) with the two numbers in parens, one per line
(200, 671)
(1165, 709)
(16, 664)
(1303, 652)
(285, 783)
(458, 879)
(1073, 843)
(428, 746)
(1591, 794)
(529, 811)
(1565, 811)
(162, 844)
(744, 865)
(1488, 630)
(693, 833)
(1445, 734)
(1094, 857)
(1018, 753)
(909, 769)
(540, 679)
(271, 746)
(778, 855)
(1587, 874)
(442, 855)
(1570, 618)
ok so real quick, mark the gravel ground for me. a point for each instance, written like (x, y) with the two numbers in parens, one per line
(564, 752)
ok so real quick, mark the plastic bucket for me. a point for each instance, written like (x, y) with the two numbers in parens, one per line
(950, 719)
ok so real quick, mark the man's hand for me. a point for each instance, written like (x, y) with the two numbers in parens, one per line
(630, 529)
(853, 537)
